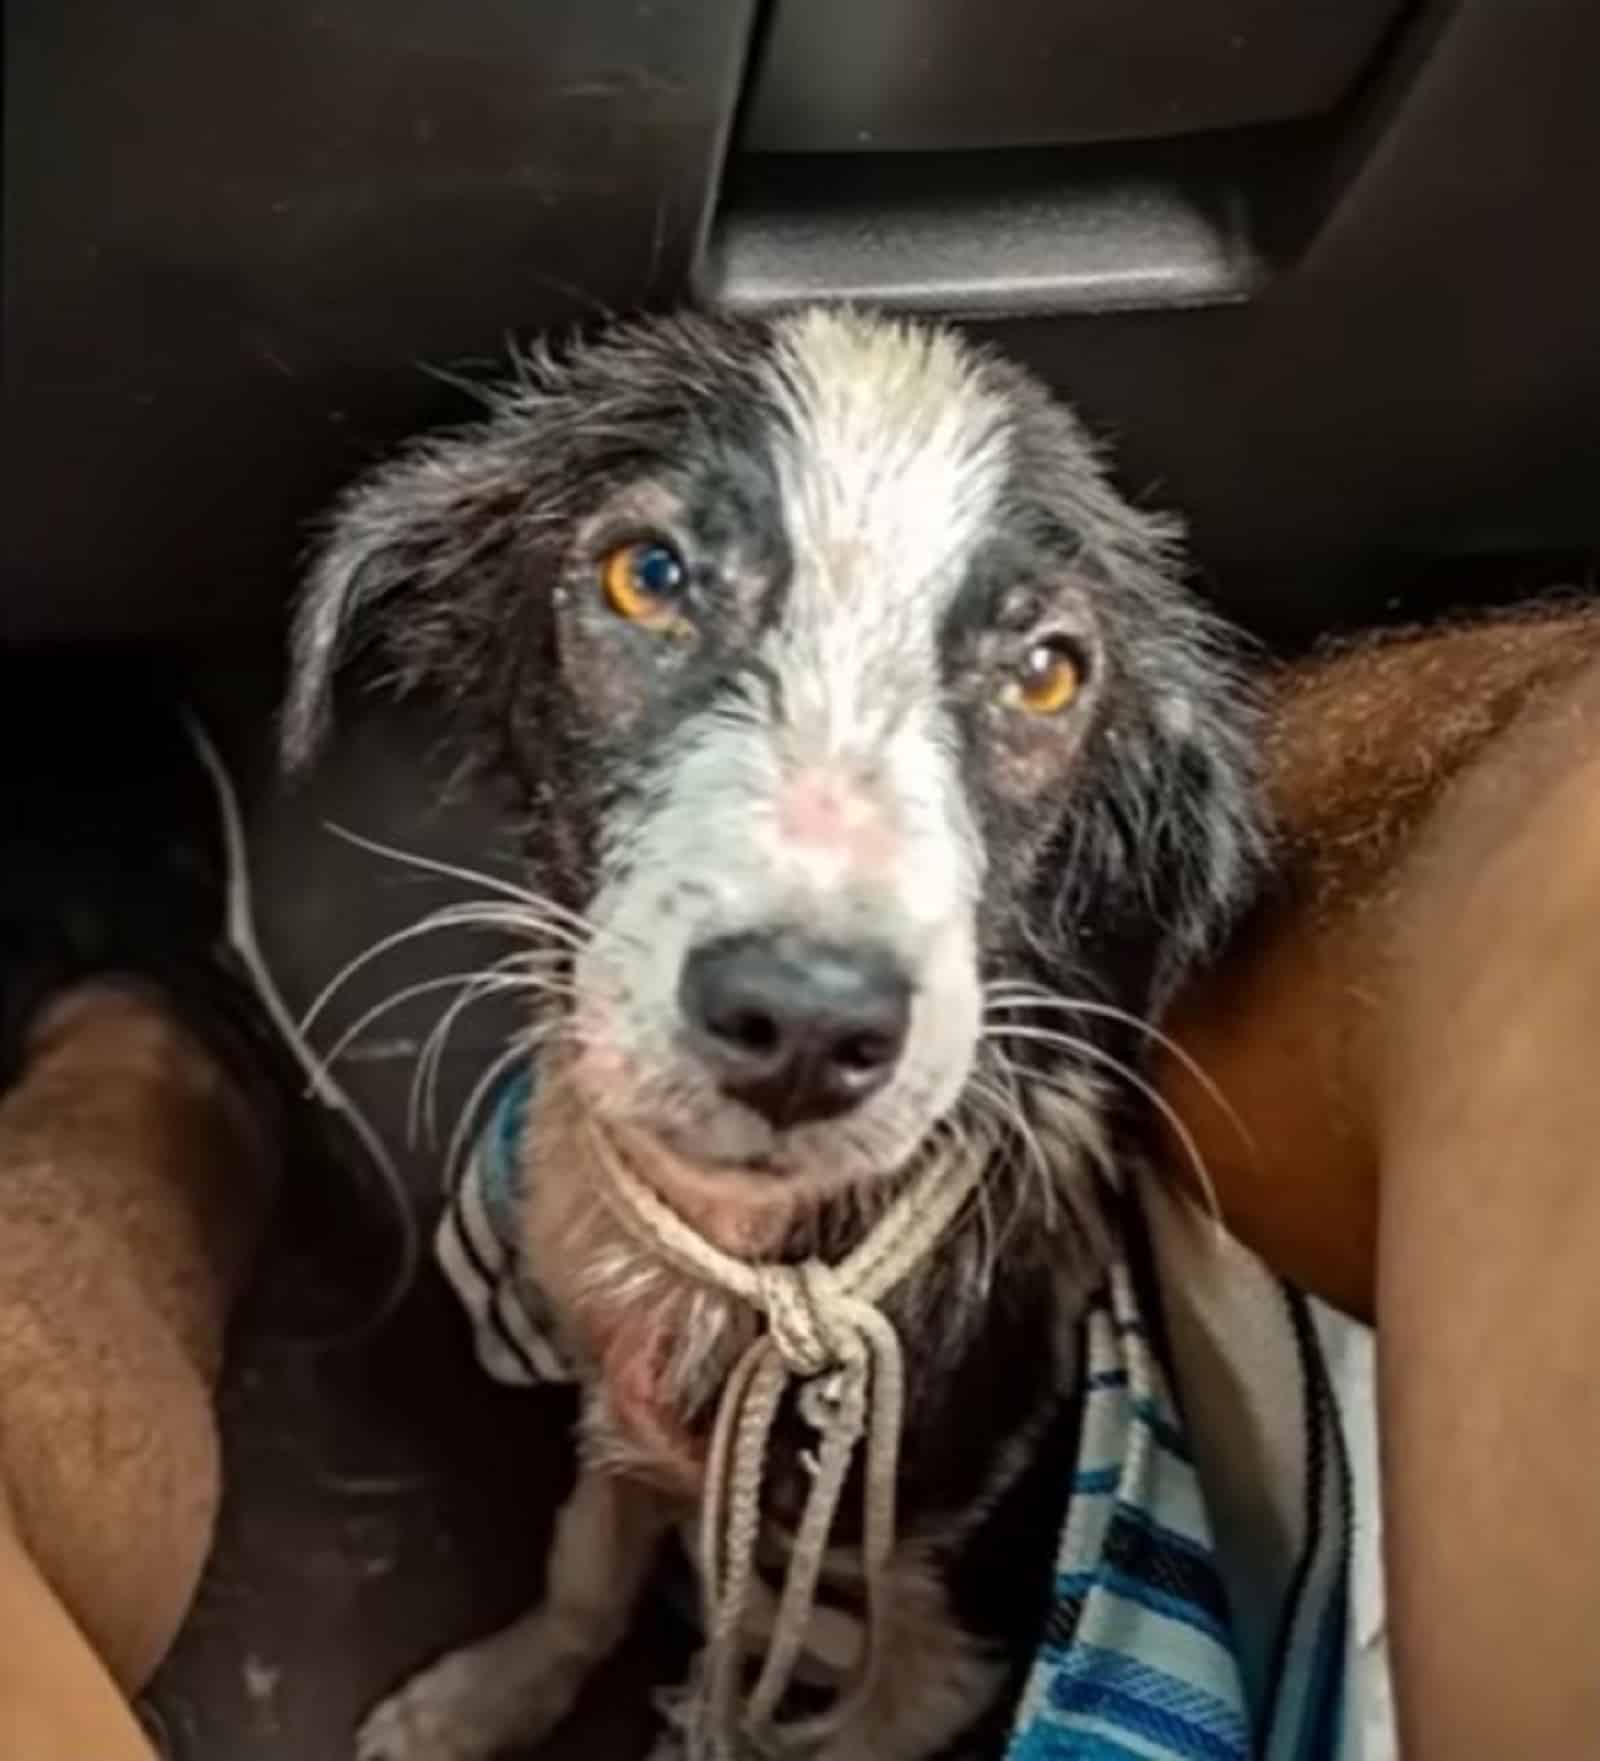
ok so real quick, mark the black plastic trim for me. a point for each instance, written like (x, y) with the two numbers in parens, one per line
(236, 233)
(998, 234)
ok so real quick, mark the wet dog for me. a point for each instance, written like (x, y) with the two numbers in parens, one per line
(879, 780)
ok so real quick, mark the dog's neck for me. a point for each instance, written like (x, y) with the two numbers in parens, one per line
(657, 1344)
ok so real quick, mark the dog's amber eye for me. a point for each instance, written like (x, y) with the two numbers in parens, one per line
(644, 583)
(1048, 679)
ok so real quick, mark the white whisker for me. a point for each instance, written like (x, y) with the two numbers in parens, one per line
(396, 999)
(430, 1064)
(465, 915)
(1020, 996)
(456, 871)
(1084, 1049)
(1005, 1103)
(523, 1046)
(992, 1238)
(423, 1112)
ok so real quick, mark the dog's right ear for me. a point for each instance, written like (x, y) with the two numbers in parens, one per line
(404, 567)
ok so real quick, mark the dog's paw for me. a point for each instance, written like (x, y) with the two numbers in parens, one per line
(436, 1716)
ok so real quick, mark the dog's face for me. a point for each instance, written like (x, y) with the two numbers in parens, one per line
(840, 682)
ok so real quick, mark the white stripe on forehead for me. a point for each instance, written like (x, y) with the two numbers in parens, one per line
(897, 457)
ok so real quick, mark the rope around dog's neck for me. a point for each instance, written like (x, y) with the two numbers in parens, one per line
(824, 1331)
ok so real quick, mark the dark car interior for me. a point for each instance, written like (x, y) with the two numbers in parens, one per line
(1325, 276)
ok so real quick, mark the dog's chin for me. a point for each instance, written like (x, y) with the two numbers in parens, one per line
(728, 1172)
(743, 1209)
(746, 1205)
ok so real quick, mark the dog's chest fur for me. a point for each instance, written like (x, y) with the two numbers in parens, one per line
(985, 1426)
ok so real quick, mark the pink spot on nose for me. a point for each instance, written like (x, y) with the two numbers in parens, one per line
(828, 814)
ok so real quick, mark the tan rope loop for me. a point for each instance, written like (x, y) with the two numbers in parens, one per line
(803, 1309)
(826, 1336)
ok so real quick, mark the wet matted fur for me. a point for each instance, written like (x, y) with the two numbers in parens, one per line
(876, 535)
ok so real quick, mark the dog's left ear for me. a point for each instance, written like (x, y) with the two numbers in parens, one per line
(1163, 846)
(412, 564)
(1205, 814)
(1168, 844)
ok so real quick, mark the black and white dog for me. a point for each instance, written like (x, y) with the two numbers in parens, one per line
(879, 779)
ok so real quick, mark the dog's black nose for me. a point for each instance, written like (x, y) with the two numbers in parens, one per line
(794, 1029)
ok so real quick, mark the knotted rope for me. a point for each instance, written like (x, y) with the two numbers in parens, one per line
(824, 1331)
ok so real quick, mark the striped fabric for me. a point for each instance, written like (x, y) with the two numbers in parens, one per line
(1137, 1659)
(476, 1245)
(1142, 1657)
